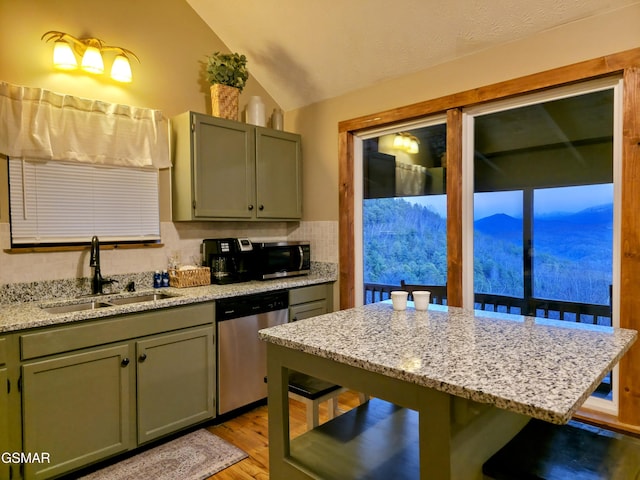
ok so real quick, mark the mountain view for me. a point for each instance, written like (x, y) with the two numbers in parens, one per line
(572, 260)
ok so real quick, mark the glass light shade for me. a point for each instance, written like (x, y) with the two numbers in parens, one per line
(121, 69)
(397, 141)
(413, 147)
(92, 61)
(63, 57)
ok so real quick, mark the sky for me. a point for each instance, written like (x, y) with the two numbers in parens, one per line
(547, 201)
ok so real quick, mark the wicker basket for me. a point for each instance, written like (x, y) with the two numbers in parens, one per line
(190, 278)
(224, 101)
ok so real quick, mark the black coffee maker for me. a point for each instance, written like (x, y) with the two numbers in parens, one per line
(228, 258)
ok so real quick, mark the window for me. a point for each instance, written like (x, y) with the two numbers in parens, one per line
(544, 205)
(573, 245)
(483, 100)
(64, 203)
(543, 201)
(497, 242)
(80, 167)
(404, 225)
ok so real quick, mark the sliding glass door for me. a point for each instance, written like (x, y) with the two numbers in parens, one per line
(543, 207)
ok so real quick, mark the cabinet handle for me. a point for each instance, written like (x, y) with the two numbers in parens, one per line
(261, 207)
(124, 362)
(142, 357)
(250, 207)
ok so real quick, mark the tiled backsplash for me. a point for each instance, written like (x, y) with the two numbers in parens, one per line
(181, 238)
(323, 237)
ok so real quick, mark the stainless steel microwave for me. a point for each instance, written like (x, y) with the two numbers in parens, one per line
(281, 259)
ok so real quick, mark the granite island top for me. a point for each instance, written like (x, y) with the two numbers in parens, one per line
(26, 315)
(537, 367)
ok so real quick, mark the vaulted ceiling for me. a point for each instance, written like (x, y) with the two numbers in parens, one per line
(304, 51)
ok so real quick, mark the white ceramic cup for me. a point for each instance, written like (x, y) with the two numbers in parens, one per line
(421, 299)
(399, 299)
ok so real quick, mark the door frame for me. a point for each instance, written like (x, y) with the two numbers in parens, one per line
(626, 64)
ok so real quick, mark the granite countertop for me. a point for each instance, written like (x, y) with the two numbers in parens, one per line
(537, 367)
(26, 315)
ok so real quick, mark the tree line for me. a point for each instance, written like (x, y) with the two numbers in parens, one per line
(407, 241)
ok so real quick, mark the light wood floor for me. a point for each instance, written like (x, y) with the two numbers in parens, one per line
(249, 432)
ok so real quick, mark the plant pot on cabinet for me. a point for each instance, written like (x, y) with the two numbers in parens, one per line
(224, 101)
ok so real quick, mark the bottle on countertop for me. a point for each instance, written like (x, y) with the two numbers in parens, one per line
(157, 279)
(165, 278)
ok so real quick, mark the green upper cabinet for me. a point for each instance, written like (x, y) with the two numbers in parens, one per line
(227, 170)
(222, 162)
(278, 174)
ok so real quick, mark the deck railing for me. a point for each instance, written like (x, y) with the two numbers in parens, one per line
(555, 309)
(591, 313)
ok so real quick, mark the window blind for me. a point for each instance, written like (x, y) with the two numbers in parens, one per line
(58, 202)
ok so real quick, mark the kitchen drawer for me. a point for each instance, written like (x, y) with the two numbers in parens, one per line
(307, 310)
(308, 294)
(114, 329)
(3, 351)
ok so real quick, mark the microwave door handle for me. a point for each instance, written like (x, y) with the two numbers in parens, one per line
(301, 257)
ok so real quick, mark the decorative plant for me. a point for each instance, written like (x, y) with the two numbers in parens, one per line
(227, 69)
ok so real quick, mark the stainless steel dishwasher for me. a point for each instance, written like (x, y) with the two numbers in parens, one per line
(242, 356)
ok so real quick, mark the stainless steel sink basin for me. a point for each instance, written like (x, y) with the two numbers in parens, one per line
(149, 297)
(77, 307)
(95, 304)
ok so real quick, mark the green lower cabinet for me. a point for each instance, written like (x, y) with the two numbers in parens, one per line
(84, 407)
(96, 389)
(311, 301)
(176, 381)
(4, 423)
(307, 310)
(76, 409)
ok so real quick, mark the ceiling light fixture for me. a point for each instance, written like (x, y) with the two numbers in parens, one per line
(407, 142)
(90, 50)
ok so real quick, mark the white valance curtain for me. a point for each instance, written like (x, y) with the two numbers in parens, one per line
(410, 179)
(39, 124)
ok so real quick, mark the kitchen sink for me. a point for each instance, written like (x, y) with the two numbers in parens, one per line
(95, 304)
(149, 297)
(77, 307)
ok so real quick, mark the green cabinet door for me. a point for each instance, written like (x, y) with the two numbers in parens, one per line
(278, 175)
(4, 422)
(176, 381)
(223, 168)
(76, 408)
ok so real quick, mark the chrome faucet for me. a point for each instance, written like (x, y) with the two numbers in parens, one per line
(97, 281)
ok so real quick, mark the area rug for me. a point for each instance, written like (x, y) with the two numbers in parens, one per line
(194, 456)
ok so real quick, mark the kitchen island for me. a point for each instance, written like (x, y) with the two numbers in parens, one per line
(474, 379)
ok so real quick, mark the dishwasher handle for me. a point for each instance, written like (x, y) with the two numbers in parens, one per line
(237, 307)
